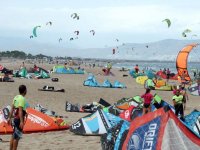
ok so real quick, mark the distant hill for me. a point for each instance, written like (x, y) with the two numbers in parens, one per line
(160, 50)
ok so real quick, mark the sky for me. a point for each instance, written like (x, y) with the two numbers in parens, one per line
(130, 21)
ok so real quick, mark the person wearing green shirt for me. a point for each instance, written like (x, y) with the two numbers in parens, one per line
(18, 113)
(178, 104)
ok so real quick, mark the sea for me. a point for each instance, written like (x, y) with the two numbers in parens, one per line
(157, 65)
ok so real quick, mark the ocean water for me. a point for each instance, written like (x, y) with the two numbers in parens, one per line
(157, 65)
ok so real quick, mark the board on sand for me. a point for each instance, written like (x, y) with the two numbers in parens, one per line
(51, 89)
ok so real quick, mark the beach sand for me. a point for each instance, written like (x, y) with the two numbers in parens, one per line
(75, 92)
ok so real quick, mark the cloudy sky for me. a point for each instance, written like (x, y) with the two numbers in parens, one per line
(130, 21)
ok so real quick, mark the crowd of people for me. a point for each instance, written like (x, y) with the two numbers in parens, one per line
(179, 99)
(19, 104)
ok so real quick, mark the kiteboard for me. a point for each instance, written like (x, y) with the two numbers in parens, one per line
(51, 89)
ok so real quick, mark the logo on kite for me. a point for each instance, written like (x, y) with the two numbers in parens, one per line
(75, 16)
(76, 125)
(134, 143)
(168, 22)
(93, 32)
(37, 120)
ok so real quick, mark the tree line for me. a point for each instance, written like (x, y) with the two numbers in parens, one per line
(21, 55)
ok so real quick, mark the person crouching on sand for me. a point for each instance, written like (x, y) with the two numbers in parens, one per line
(148, 97)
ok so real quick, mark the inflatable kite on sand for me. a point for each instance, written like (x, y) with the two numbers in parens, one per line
(35, 122)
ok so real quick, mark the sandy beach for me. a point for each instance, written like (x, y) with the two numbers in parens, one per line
(75, 92)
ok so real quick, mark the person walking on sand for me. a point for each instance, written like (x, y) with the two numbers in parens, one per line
(148, 97)
(18, 112)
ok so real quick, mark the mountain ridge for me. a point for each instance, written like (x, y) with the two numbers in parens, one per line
(166, 49)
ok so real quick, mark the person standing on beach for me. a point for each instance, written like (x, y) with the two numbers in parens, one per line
(168, 74)
(136, 68)
(178, 104)
(19, 114)
(185, 95)
(22, 66)
(148, 97)
(35, 68)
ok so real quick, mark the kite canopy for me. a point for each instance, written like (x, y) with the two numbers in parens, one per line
(181, 62)
(159, 130)
(186, 31)
(35, 30)
(168, 22)
(93, 32)
(35, 122)
(60, 39)
(95, 124)
(49, 23)
(76, 32)
(75, 16)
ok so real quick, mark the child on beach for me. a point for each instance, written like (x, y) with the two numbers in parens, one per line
(148, 97)
(19, 114)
